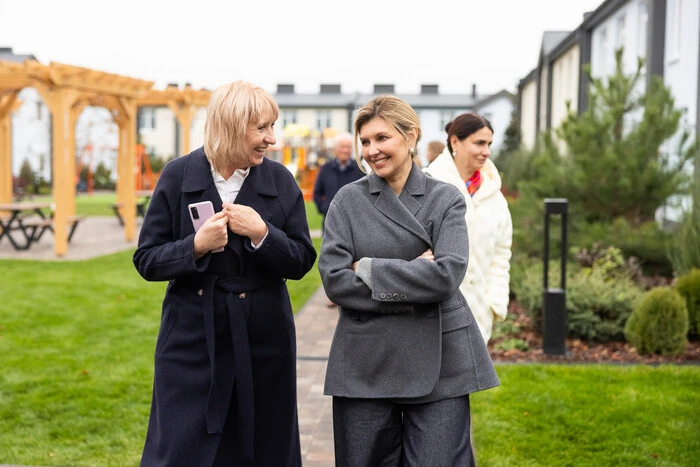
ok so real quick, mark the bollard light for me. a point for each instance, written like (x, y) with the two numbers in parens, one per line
(554, 299)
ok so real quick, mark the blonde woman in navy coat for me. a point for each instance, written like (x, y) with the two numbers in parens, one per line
(406, 352)
(224, 391)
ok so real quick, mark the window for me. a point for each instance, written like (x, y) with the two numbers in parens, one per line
(147, 118)
(446, 117)
(288, 116)
(620, 42)
(323, 119)
(603, 57)
(643, 31)
(675, 29)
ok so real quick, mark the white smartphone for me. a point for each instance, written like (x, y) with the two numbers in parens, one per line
(199, 213)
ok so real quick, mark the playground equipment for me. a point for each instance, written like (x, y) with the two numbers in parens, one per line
(145, 178)
(303, 151)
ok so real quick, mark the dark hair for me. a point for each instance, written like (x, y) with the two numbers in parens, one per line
(465, 125)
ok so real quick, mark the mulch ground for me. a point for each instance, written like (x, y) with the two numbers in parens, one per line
(578, 351)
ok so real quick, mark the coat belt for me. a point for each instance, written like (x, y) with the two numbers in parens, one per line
(241, 358)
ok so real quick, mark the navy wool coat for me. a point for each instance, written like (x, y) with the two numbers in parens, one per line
(225, 358)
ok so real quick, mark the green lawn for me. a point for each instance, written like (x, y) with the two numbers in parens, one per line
(77, 341)
(592, 415)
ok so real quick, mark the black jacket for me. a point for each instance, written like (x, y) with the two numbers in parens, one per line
(226, 319)
(330, 179)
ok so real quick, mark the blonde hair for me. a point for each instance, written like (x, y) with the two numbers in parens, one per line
(232, 107)
(395, 111)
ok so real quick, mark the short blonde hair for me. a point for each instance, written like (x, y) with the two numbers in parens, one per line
(232, 107)
(395, 111)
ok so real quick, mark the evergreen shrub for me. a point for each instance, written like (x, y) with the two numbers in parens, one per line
(597, 304)
(659, 323)
(689, 288)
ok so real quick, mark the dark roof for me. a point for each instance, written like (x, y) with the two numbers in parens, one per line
(314, 100)
(530, 77)
(550, 39)
(417, 101)
(7, 55)
(488, 99)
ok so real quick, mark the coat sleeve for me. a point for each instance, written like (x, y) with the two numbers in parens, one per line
(161, 254)
(341, 284)
(497, 284)
(423, 281)
(319, 191)
(396, 284)
(288, 251)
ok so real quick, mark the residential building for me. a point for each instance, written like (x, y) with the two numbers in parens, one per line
(665, 33)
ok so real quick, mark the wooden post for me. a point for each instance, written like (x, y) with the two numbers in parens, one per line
(184, 115)
(60, 102)
(126, 164)
(7, 104)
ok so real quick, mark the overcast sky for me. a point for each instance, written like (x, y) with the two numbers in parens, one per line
(356, 43)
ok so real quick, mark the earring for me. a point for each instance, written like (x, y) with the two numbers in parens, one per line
(411, 152)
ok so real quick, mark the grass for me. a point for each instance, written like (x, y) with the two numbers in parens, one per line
(77, 342)
(97, 204)
(593, 415)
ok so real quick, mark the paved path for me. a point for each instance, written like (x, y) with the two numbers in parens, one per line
(315, 324)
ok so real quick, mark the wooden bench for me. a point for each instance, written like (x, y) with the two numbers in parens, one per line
(140, 210)
(47, 224)
(34, 228)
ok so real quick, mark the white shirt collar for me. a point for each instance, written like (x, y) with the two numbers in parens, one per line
(228, 189)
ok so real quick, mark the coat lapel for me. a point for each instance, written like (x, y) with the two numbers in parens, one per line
(402, 209)
(198, 183)
(258, 184)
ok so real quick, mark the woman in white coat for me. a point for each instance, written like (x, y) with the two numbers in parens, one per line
(465, 164)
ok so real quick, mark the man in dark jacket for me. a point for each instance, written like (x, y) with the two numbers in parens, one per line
(336, 173)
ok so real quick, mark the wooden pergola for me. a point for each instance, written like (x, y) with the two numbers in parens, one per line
(67, 90)
(183, 102)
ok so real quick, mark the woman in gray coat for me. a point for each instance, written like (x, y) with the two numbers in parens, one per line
(406, 352)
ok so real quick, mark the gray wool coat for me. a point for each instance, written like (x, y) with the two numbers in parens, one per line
(410, 337)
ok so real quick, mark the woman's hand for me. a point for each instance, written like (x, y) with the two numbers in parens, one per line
(428, 254)
(212, 235)
(245, 221)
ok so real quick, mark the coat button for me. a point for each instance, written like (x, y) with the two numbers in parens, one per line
(200, 292)
(241, 295)
(396, 296)
(382, 295)
(403, 296)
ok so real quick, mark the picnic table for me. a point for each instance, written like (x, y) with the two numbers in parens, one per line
(141, 205)
(27, 220)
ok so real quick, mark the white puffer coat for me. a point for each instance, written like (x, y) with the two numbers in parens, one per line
(490, 230)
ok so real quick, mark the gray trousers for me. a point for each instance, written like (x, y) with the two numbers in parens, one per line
(379, 432)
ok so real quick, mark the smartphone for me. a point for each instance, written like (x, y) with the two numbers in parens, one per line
(199, 213)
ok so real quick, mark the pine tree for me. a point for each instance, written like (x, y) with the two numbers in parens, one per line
(615, 167)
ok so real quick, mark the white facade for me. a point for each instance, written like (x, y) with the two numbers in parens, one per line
(628, 28)
(681, 76)
(681, 58)
(565, 74)
(498, 112)
(31, 134)
(432, 122)
(96, 136)
(158, 131)
(528, 114)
